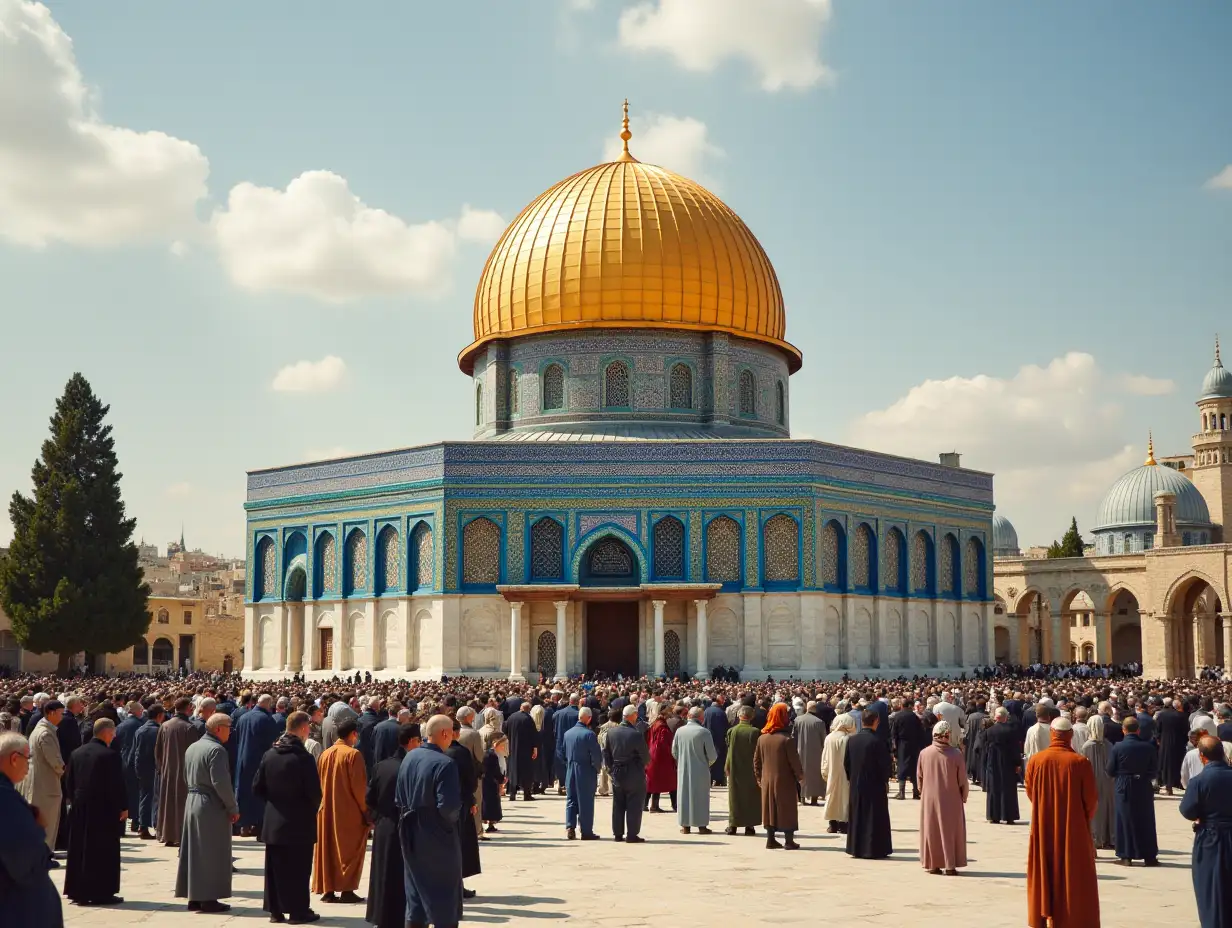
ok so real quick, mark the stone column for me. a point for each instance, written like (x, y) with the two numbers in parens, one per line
(703, 642)
(1199, 642)
(252, 659)
(340, 625)
(282, 620)
(658, 636)
(562, 653)
(1103, 637)
(752, 634)
(515, 641)
(308, 655)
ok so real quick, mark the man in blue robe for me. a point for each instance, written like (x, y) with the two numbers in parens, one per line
(715, 721)
(145, 769)
(564, 720)
(583, 760)
(126, 743)
(1208, 803)
(256, 732)
(29, 896)
(429, 800)
(1133, 764)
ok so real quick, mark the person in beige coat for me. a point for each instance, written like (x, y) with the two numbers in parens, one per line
(41, 787)
(470, 739)
(838, 790)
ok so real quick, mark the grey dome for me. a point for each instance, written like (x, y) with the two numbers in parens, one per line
(1217, 384)
(1131, 500)
(1004, 537)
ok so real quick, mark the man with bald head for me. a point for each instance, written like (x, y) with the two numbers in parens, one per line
(257, 731)
(429, 796)
(204, 875)
(98, 806)
(583, 761)
(1208, 803)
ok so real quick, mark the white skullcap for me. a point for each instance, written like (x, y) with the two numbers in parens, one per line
(1062, 725)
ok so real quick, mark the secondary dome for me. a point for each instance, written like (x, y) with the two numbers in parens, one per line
(1217, 384)
(628, 245)
(1004, 537)
(1131, 500)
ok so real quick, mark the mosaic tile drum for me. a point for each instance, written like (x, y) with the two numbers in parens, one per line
(632, 501)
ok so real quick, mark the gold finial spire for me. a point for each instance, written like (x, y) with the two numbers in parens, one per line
(625, 135)
(1217, 361)
(1150, 450)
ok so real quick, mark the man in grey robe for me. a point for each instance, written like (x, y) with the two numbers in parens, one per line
(694, 751)
(204, 875)
(172, 741)
(334, 715)
(809, 732)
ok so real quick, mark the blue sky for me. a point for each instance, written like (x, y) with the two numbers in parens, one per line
(999, 228)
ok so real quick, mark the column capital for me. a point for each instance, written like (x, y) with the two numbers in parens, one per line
(658, 603)
(516, 604)
(561, 604)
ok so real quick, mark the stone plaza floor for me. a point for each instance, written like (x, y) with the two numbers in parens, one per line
(533, 876)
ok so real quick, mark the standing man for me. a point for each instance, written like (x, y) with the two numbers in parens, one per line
(342, 823)
(626, 755)
(743, 792)
(256, 731)
(867, 765)
(68, 733)
(715, 720)
(204, 875)
(41, 787)
(1002, 763)
(174, 738)
(126, 743)
(1172, 727)
(1132, 763)
(287, 782)
(431, 802)
(907, 739)
(583, 760)
(1060, 786)
(605, 774)
(385, 735)
(468, 736)
(563, 721)
(523, 749)
(386, 892)
(468, 837)
(365, 743)
(29, 896)
(809, 732)
(98, 807)
(695, 754)
(1208, 803)
(145, 770)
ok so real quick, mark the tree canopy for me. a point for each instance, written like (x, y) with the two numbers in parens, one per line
(1070, 544)
(71, 581)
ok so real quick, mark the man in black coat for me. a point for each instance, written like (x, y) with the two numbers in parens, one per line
(1132, 763)
(385, 738)
(28, 897)
(287, 781)
(523, 749)
(1172, 728)
(126, 743)
(715, 720)
(867, 764)
(626, 755)
(1224, 731)
(1002, 765)
(98, 806)
(368, 721)
(907, 740)
(824, 711)
(386, 892)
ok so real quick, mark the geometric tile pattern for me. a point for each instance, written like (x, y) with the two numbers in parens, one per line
(919, 562)
(481, 552)
(669, 549)
(722, 550)
(329, 563)
(861, 561)
(547, 550)
(781, 548)
(971, 568)
(421, 541)
(357, 561)
(390, 558)
(946, 560)
(269, 567)
(891, 560)
(829, 555)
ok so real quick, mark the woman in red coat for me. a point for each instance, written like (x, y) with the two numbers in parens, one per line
(661, 771)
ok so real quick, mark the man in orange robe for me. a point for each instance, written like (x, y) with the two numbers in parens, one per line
(1061, 884)
(342, 822)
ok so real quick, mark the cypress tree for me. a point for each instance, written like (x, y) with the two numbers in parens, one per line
(71, 581)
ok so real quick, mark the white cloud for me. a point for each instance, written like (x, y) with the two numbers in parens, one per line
(480, 225)
(1222, 180)
(779, 38)
(328, 454)
(65, 174)
(678, 143)
(179, 490)
(1142, 385)
(310, 376)
(316, 238)
(1054, 436)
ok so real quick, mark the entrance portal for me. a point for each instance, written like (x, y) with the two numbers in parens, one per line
(611, 638)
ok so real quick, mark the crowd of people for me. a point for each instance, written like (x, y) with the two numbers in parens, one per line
(315, 770)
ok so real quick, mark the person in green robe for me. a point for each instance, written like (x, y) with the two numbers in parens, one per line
(743, 793)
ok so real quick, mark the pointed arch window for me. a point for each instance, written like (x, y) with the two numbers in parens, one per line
(355, 563)
(669, 549)
(681, 387)
(390, 554)
(553, 387)
(547, 547)
(723, 550)
(479, 404)
(616, 385)
(481, 544)
(748, 394)
(267, 563)
(421, 547)
(781, 549)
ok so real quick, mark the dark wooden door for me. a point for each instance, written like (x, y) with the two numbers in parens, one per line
(327, 648)
(611, 638)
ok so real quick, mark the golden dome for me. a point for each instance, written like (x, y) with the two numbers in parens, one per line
(628, 245)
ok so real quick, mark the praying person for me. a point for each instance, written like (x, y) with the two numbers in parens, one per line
(1131, 764)
(172, 742)
(98, 806)
(42, 786)
(809, 733)
(1002, 764)
(342, 822)
(256, 732)
(204, 874)
(743, 790)
(468, 783)
(386, 893)
(867, 763)
(146, 770)
(1096, 749)
(1061, 878)
(943, 821)
(776, 767)
(523, 751)
(694, 752)
(834, 771)
(626, 754)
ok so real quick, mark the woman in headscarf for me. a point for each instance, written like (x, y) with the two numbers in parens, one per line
(1095, 749)
(838, 791)
(491, 727)
(943, 792)
(777, 769)
(661, 771)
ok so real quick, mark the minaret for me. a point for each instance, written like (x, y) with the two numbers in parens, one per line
(1212, 445)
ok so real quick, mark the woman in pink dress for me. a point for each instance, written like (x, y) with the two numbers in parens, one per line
(943, 792)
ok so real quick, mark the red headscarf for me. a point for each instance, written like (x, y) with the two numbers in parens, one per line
(777, 718)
